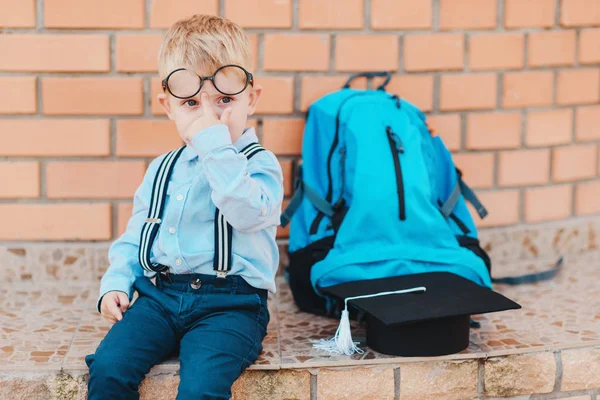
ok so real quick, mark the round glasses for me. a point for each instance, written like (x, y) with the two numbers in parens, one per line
(228, 80)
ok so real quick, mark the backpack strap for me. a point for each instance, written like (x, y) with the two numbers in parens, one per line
(155, 211)
(300, 190)
(222, 260)
(223, 230)
(462, 188)
(531, 278)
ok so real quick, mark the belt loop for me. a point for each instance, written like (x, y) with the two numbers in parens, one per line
(167, 275)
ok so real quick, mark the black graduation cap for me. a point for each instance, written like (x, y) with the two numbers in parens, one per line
(413, 315)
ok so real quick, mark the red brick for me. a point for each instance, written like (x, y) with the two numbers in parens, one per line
(19, 179)
(99, 96)
(587, 122)
(146, 138)
(94, 179)
(401, 14)
(578, 86)
(17, 14)
(579, 12)
(587, 198)
(503, 208)
(528, 14)
(314, 87)
(551, 49)
(288, 179)
(467, 14)
(54, 137)
(22, 98)
(94, 14)
(417, 89)
(137, 53)
(486, 131)
(333, 14)
(548, 203)
(547, 128)
(253, 14)
(283, 136)
(163, 13)
(477, 168)
(283, 233)
(378, 52)
(444, 52)
(277, 96)
(292, 52)
(254, 50)
(574, 162)
(468, 92)
(496, 51)
(527, 89)
(124, 212)
(447, 126)
(54, 53)
(67, 221)
(524, 167)
(589, 46)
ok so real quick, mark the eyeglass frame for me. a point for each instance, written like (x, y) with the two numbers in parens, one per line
(249, 80)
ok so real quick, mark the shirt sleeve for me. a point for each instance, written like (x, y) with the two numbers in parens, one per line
(249, 194)
(124, 266)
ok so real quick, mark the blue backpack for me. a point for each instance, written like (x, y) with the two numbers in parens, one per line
(376, 196)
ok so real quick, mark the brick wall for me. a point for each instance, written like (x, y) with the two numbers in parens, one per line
(513, 86)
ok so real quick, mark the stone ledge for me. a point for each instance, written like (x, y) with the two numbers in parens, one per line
(549, 350)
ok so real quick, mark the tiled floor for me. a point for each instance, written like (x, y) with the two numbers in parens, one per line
(48, 295)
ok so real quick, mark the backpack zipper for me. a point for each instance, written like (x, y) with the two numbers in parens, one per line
(397, 148)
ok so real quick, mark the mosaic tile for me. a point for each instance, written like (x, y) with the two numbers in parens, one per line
(37, 322)
(546, 240)
(48, 295)
(560, 313)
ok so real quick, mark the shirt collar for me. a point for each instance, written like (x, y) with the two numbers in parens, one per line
(248, 136)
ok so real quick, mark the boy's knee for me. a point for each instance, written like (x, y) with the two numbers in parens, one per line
(107, 369)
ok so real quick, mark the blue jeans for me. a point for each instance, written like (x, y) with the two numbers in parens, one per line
(217, 330)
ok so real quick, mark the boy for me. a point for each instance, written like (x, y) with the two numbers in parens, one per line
(204, 223)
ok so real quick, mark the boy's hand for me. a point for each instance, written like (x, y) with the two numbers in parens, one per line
(113, 305)
(189, 124)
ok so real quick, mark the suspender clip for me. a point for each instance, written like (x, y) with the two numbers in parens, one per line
(221, 274)
(153, 220)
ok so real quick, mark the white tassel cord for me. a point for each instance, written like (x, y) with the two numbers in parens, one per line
(341, 342)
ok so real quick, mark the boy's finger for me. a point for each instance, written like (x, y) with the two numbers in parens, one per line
(225, 116)
(123, 301)
(206, 105)
(114, 310)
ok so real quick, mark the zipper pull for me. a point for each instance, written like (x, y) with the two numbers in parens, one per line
(397, 140)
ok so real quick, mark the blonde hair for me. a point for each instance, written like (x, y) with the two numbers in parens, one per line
(203, 43)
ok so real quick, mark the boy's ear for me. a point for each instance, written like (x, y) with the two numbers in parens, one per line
(253, 98)
(164, 102)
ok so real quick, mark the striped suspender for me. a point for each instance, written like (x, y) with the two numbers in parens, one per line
(223, 230)
(152, 224)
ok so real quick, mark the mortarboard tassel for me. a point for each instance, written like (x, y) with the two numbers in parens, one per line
(341, 342)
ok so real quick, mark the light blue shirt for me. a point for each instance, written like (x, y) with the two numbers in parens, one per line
(210, 173)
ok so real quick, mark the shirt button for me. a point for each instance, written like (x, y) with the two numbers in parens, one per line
(179, 197)
(263, 212)
(172, 230)
(178, 261)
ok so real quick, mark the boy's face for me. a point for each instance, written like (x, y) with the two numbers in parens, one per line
(242, 105)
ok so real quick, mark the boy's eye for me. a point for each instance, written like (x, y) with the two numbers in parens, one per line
(227, 100)
(191, 103)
